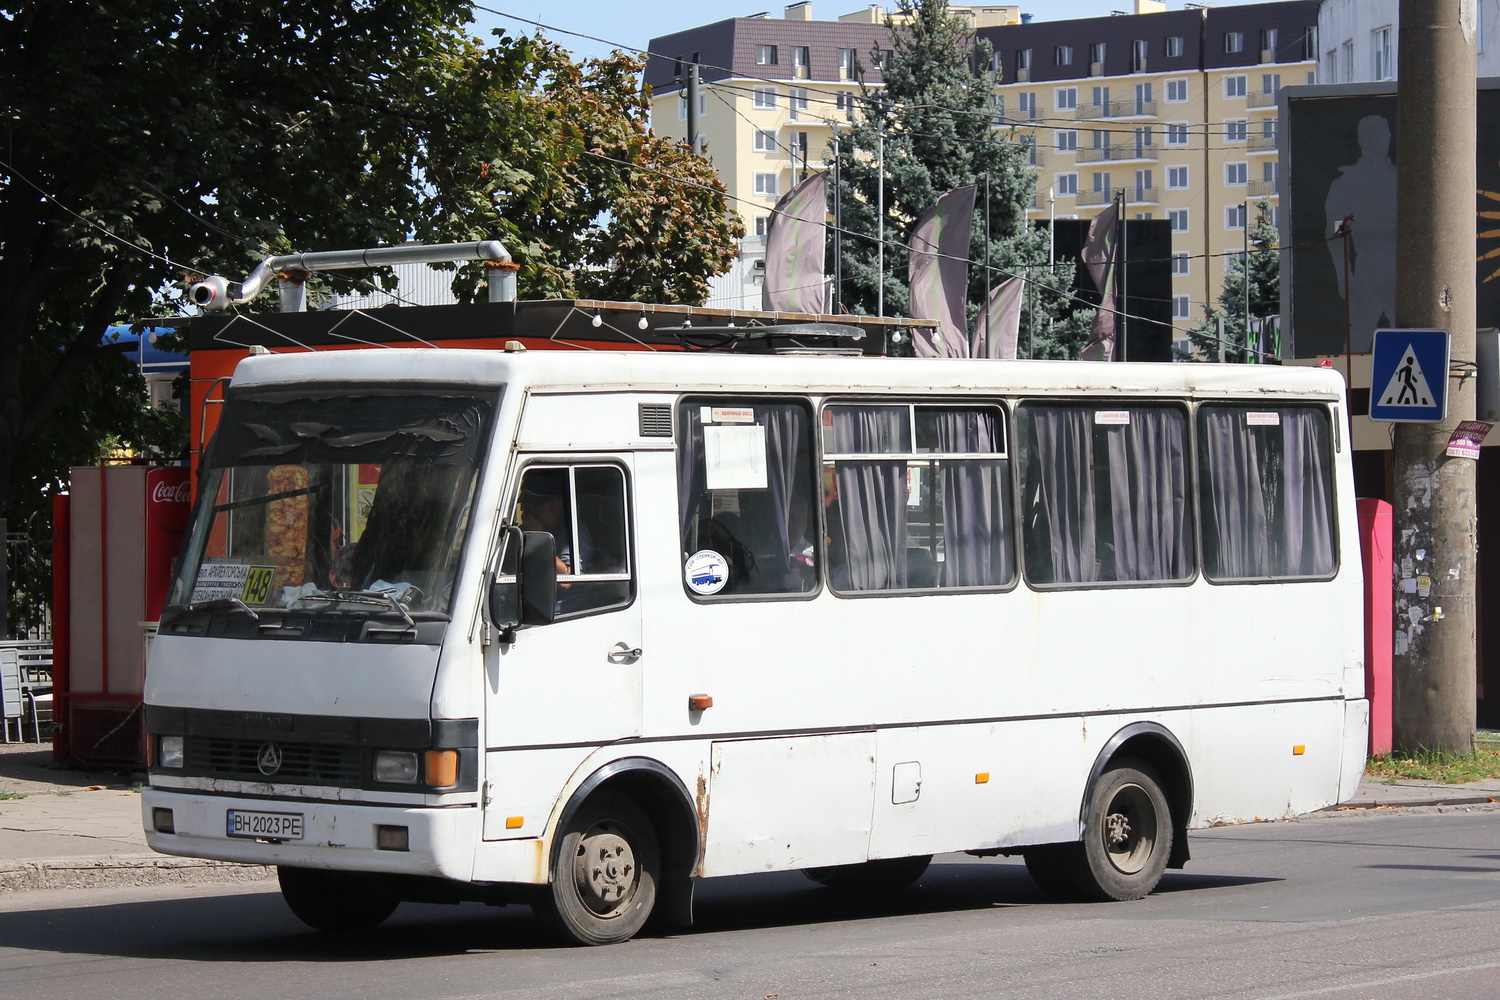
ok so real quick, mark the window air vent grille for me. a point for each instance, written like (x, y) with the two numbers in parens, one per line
(656, 420)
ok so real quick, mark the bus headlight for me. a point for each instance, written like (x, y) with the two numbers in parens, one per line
(396, 767)
(169, 752)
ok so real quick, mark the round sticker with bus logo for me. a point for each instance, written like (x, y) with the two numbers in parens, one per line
(705, 572)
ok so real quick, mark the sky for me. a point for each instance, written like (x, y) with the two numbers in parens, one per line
(633, 25)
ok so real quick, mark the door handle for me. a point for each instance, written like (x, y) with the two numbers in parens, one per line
(623, 652)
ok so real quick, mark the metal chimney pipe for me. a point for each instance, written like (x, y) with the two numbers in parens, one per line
(217, 292)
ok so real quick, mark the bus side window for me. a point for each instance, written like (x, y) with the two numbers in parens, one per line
(745, 493)
(1265, 486)
(1104, 489)
(916, 497)
(584, 508)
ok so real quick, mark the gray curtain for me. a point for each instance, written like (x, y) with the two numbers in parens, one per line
(1268, 505)
(976, 549)
(1308, 491)
(1060, 495)
(1106, 502)
(1148, 495)
(872, 495)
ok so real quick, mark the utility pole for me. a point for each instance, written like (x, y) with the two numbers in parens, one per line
(880, 216)
(1434, 497)
(695, 137)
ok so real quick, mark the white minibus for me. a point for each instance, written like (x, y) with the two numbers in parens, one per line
(577, 629)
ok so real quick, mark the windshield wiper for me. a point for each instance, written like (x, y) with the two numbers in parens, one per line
(223, 604)
(371, 597)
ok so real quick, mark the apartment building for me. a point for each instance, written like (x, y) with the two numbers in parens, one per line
(1359, 40)
(1176, 108)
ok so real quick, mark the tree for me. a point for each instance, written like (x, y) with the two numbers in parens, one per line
(148, 139)
(938, 120)
(1208, 343)
(535, 150)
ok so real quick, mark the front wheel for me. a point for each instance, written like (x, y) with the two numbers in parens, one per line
(337, 902)
(1127, 834)
(604, 884)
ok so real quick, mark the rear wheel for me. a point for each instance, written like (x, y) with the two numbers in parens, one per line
(1127, 833)
(871, 876)
(337, 902)
(604, 885)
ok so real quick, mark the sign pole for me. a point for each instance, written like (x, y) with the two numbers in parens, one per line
(1434, 497)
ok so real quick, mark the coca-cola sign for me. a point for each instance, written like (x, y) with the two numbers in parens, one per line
(165, 492)
(169, 495)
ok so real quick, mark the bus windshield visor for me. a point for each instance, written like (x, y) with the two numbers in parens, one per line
(349, 504)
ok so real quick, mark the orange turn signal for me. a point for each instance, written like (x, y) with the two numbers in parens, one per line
(698, 702)
(442, 768)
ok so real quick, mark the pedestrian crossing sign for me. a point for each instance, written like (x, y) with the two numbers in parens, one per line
(1409, 376)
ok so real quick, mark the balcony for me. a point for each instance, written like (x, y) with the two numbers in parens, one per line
(1141, 196)
(1261, 144)
(1263, 189)
(1261, 100)
(1116, 152)
(1129, 108)
(1095, 198)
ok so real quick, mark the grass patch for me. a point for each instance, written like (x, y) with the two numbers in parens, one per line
(12, 795)
(1434, 765)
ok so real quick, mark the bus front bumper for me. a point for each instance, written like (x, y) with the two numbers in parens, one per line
(340, 835)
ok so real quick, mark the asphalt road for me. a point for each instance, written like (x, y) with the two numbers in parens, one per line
(1368, 906)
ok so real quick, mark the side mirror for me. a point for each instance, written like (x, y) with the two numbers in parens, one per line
(538, 577)
(531, 597)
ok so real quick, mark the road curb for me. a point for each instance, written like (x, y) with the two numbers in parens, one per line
(122, 870)
(1468, 803)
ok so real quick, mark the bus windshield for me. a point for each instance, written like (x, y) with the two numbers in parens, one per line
(352, 503)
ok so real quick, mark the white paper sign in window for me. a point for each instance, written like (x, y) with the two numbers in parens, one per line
(1255, 419)
(1118, 418)
(735, 457)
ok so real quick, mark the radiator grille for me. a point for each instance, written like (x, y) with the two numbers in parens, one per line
(308, 762)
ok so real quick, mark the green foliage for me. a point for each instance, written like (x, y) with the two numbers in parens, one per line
(1265, 301)
(558, 161)
(1434, 765)
(937, 117)
(148, 140)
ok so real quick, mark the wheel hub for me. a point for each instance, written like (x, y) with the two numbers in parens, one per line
(604, 871)
(1129, 826)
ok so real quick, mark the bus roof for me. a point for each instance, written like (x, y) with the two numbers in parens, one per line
(674, 371)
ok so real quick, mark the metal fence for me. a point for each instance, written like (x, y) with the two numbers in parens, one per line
(28, 577)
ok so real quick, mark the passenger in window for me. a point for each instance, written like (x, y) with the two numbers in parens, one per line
(802, 558)
(833, 540)
(544, 507)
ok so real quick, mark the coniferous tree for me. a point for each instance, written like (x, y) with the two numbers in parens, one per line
(1208, 343)
(941, 130)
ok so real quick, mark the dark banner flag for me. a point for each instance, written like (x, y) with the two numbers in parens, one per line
(1101, 256)
(998, 327)
(938, 274)
(795, 281)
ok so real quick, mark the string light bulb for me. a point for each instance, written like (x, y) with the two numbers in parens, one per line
(597, 321)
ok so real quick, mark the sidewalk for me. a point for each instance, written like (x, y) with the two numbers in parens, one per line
(82, 829)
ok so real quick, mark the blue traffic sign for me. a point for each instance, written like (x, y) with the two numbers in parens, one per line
(1409, 376)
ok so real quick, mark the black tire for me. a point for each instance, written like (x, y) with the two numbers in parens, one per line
(336, 902)
(1054, 868)
(603, 884)
(1127, 833)
(871, 876)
